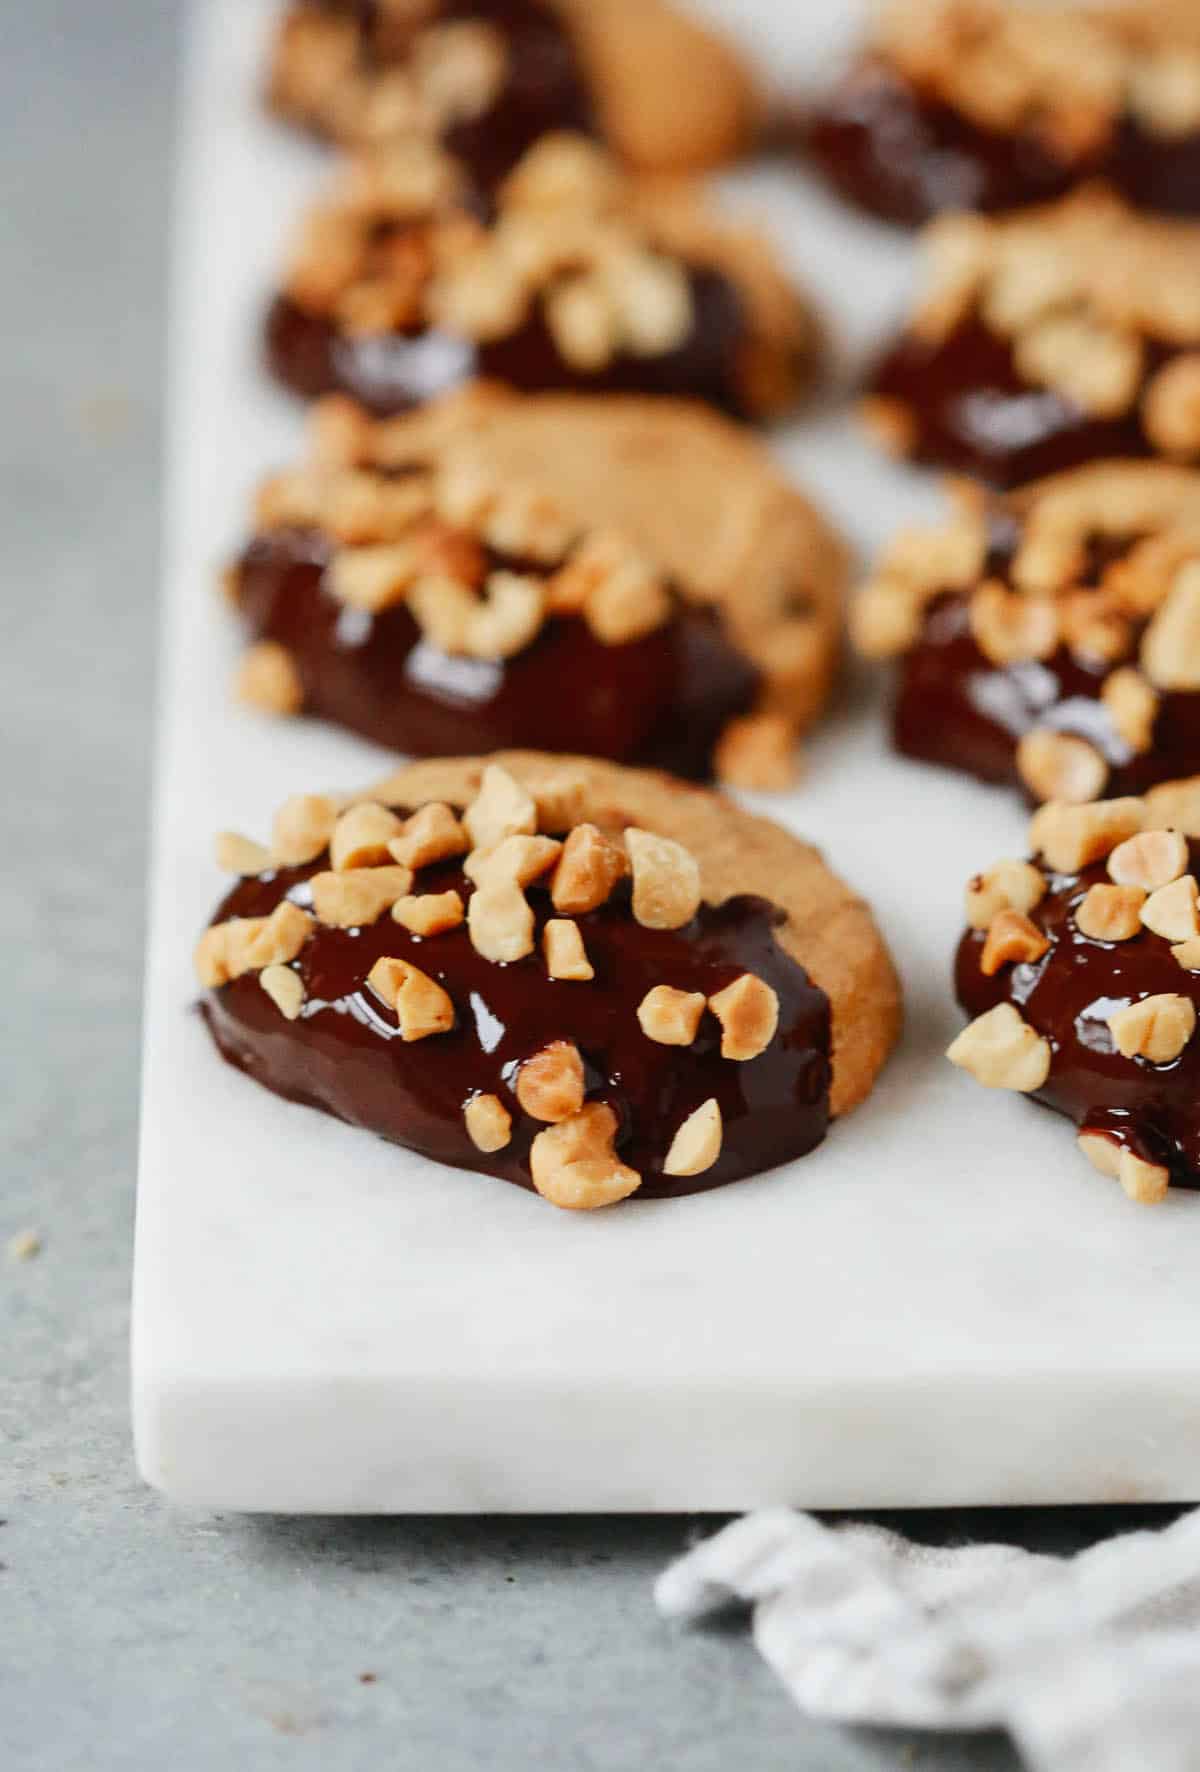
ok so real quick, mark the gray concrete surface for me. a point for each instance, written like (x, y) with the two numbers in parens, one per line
(133, 1637)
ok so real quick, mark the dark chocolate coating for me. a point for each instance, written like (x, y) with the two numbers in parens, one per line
(344, 1054)
(1067, 996)
(545, 89)
(394, 372)
(663, 699)
(974, 413)
(906, 156)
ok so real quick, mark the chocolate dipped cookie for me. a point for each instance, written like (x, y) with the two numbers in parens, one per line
(486, 79)
(993, 104)
(630, 578)
(1050, 639)
(586, 980)
(581, 278)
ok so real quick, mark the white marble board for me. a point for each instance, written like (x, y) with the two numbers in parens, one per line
(943, 1305)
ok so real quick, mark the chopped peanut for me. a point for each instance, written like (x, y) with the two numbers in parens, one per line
(1008, 886)
(697, 1144)
(671, 1017)
(1175, 805)
(302, 829)
(574, 1165)
(373, 578)
(1132, 707)
(267, 679)
(590, 866)
(422, 1007)
(358, 897)
(1111, 913)
(666, 880)
(431, 913)
(1157, 1028)
(1187, 954)
(488, 1123)
(1172, 911)
(1102, 1152)
(758, 753)
(1002, 1051)
(550, 1085)
(1149, 860)
(285, 988)
(1170, 652)
(566, 956)
(560, 802)
(1011, 940)
(250, 944)
(502, 808)
(748, 1011)
(1146, 1184)
(523, 859)
(1058, 766)
(500, 922)
(1009, 628)
(1072, 836)
(1171, 407)
(432, 834)
(361, 837)
(240, 855)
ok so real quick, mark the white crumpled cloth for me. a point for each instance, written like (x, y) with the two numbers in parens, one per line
(1092, 1662)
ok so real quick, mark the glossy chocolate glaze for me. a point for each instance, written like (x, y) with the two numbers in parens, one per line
(545, 89)
(907, 157)
(972, 411)
(393, 372)
(1068, 995)
(344, 1054)
(956, 708)
(662, 700)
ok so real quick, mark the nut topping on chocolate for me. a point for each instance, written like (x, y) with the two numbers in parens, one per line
(1090, 1000)
(339, 943)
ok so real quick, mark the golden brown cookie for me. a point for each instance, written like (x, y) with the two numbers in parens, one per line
(1051, 638)
(582, 279)
(1080, 970)
(992, 104)
(666, 93)
(1047, 339)
(590, 980)
(633, 578)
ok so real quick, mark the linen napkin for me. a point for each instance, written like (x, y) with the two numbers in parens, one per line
(1091, 1662)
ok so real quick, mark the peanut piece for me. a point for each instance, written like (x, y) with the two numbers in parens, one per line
(422, 1007)
(697, 1144)
(1072, 836)
(671, 1017)
(1002, 1051)
(1011, 939)
(590, 866)
(566, 956)
(1111, 913)
(1157, 1028)
(550, 1085)
(285, 989)
(431, 913)
(502, 808)
(1058, 766)
(267, 680)
(239, 855)
(1008, 886)
(1172, 911)
(432, 834)
(302, 829)
(666, 881)
(358, 897)
(748, 1011)
(488, 1123)
(361, 837)
(500, 922)
(1149, 860)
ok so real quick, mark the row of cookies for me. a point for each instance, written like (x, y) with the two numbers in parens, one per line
(516, 548)
(624, 578)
